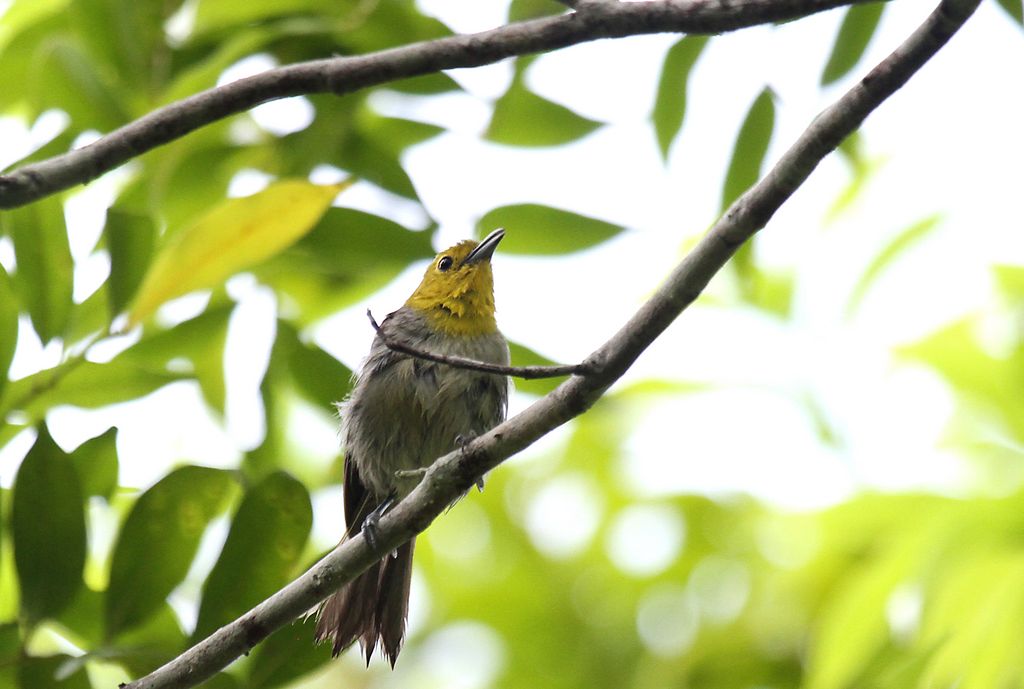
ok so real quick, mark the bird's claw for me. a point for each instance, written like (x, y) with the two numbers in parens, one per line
(370, 530)
(461, 441)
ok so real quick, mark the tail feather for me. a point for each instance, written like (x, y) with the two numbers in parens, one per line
(393, 602)
(370, 609)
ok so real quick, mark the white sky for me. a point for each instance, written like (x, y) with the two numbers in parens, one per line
(951, 142)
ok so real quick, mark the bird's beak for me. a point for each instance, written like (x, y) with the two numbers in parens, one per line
(485, 249)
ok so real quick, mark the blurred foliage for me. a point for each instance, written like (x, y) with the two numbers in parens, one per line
(882, 591)
(855, 33)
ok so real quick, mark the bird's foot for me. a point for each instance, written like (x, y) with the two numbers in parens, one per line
(461, 441)
(370, 530)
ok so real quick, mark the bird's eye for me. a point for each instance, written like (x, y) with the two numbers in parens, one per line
(444, 264)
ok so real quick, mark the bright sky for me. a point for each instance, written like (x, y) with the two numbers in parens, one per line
(950, 143)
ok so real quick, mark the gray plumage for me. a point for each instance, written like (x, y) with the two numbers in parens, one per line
(403, 413)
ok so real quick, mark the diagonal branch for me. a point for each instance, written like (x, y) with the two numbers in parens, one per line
(456, 472)
(524, 372)
(592, 21)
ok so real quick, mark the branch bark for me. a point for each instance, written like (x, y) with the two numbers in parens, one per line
(592, 21)
(455, 473)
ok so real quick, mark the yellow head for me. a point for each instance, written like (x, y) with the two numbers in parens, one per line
(457, 291)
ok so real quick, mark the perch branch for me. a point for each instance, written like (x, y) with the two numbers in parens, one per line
(341, 75)
(456, 472)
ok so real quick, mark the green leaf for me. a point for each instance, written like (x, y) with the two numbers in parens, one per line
(321, 378)
(130, 240)
(670, 105)
(158, 541)
(286, 655)
(89, 320)
(82, 619)
(95, 460)
(1010, 281)
(347, 256)
(203, 73)
(522, 118)
(1014, 8)
(151, 644)
(534, 229)
(751, 147)
(48, 525)
(43, 280)
(125, 38)
(235, 235)
(57, 671)
(389, 24)
(64, 76)
(21, 16)
(859, 24)
(395, 134)
(263, 547)
(975, 374)
(201, 341)
(895, 248)
(369, 160)
(853, 625)
(8, 326)
(524, 356)
(972, 620)
(83, 384)
(20, 42)
(216, 15)
(10, 653)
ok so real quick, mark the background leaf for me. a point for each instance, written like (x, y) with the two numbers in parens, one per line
(286, 655)
(43, 278)
(266, 539)
(158, 541)
(859, 25)
(52, 671)
(522, 118)
(48, 526)
(750, 149)
(233, 236)
(896, 247)
(95, 461)
(130, 240)
(524, 356)
(534, 229)
(1014, 8)
(670, 106)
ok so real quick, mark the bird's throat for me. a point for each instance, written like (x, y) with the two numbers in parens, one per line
(467, 315)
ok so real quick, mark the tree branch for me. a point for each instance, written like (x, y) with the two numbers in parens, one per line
(591, 21)
(456, 472)
(525, 372)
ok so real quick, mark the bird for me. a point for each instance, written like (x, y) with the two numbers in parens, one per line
(402, 414)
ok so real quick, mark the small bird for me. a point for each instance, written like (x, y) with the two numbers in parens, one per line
(404, 413)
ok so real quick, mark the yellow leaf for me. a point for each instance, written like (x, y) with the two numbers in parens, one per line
(235, 235)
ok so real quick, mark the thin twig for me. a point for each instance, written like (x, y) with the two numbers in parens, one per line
(525, 372)
(341, 75)
(456, 472)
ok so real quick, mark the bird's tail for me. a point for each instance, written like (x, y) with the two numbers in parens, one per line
(371, 609)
